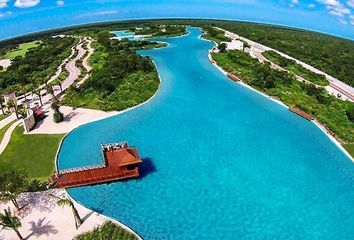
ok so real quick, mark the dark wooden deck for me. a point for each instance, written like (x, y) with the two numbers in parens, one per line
(233, 77)
(119, 164)
(301, 113)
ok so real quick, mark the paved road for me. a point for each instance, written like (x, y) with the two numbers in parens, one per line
(90, 52)
(335, 85)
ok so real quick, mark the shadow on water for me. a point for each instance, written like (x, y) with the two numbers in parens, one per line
(97, 210)
(146, 167)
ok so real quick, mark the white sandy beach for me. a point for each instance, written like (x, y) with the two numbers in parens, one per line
(43, 219)
(72, 119)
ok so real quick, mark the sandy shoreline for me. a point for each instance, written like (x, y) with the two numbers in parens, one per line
(43, 219)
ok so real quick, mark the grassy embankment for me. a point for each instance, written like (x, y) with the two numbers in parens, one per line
(120, 78)
(21, 50)
(295, 68)
(33, 153)
(108, 230)
(331, 112)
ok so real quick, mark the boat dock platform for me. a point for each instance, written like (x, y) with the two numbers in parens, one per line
(233, 77)
(301, 113)
(120, 162)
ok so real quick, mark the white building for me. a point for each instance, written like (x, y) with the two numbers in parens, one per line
(234, 45)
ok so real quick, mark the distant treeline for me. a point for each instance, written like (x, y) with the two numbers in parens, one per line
(330, 54)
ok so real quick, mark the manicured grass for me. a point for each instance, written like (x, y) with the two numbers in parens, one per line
(3, 116)
(349, 148)
(4, 129)
(108, 230)
(32, 153)
(21, 50)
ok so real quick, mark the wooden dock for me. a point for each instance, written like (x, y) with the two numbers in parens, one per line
(233, 77)
(119, 163)
(301, 113)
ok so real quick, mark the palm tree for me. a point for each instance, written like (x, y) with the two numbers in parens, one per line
(36, 90)
(9, 221)
(49, 88)
(12, 184)
(11, 103)
(59, 83)
(2, 104)
(24, 90)
(67, 202)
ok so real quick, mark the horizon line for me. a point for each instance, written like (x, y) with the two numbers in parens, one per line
(43, 31)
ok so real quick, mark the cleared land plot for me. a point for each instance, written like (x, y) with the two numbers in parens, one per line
(21, 50)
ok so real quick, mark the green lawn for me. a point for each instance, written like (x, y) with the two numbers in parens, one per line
(21, 50)
(3, 116)
(349, 148)
(33, 153)
(108, 230)
(4, 129)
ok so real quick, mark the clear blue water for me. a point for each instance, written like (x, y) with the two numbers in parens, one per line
(125, 34)
(220, 161)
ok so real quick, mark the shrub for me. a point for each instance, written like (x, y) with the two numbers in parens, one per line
(350, 114)
(58, 116)
(36, 186)
(107, 231)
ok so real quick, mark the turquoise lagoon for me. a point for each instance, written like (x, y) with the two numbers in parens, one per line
(220, 161)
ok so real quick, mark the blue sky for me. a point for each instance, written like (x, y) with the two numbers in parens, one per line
(23, 16)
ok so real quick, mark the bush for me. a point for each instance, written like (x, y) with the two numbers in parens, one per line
(58, 116)
(36, 186)
(350, 114)
(108, 230)
(222, 47)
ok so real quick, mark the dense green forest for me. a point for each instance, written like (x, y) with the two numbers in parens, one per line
(120, 77)
(295, 68)
(333, 55)
(38, 64)
(335, 114)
